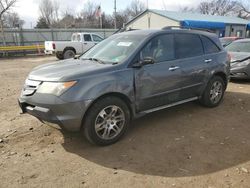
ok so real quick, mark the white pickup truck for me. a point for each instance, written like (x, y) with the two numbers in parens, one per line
(80, 43)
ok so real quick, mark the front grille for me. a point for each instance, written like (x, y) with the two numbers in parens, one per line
(30, 87)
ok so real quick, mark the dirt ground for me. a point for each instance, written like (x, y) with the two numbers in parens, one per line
(184, 146)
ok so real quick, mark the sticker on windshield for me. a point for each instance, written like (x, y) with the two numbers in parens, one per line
(124, 44)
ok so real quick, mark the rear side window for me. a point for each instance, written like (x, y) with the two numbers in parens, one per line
(87, 38)
(188, 45)
(209, 46)
(78, 37)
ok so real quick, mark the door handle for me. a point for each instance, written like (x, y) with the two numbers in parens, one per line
(208, 60)
(173, 68)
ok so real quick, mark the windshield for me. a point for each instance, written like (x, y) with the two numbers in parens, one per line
(114, 49)
(238, 47)
(226, 40)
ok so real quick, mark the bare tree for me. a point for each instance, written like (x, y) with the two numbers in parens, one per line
(12, 20)
(219, 7)
(243, 10)
(88, 15)
(49, 10)
(135, 8)
(5, 6)
(222, 8)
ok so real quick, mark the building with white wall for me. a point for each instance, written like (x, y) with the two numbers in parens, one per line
(222, 25)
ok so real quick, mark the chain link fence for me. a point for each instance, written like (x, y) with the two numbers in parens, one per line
(23, 37)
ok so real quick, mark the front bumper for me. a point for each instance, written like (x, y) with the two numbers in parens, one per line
(49, 108)
(240, 72)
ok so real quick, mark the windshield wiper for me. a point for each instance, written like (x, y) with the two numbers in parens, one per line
(97, 60)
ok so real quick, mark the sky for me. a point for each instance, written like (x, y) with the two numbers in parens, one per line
(28, 9)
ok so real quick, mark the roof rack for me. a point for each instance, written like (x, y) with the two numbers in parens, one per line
(188, 28)
(124, 30)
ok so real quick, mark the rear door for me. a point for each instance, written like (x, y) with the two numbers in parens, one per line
(158, 84)
(189, 50)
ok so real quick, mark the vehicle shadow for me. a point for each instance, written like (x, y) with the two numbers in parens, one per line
(186, 140)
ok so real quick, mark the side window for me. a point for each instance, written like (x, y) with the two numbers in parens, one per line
(160, 48)
(73, 38)
(209, 46)
(79, 38)
(87, 38)
(96, 38)
(188, 45)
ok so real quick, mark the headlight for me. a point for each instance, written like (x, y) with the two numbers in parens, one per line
(55, 88)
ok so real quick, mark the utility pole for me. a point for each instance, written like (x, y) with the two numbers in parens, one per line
(115, 13)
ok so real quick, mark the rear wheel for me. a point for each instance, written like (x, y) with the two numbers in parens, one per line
(214, 92)
(106, 121)
(59, 56)
(68, 54)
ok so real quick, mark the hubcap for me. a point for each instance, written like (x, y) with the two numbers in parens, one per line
(216, 92)
(109, 122)
(69, 54)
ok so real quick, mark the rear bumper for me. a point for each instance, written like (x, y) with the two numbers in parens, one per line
(67, 115)
(49, 52)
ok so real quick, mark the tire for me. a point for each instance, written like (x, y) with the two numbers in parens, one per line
(106, 121)
(214, 92)
(68, 54)
(59, 56)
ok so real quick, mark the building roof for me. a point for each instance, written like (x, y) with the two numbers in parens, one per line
(182, 16)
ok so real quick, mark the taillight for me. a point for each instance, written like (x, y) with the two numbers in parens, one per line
(53, 46)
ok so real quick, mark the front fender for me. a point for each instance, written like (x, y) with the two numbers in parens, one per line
(92, 87)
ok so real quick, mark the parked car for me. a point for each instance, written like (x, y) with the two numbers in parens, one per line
(128, 75)
(80, 43)
(228, 40)
(240, 54)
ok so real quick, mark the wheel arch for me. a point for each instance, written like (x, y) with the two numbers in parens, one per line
(121, 96)
(223, 76)
(69, 48)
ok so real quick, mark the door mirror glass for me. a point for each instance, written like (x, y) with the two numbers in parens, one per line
(147, 61)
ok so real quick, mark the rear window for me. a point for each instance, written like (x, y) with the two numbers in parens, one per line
(188, 45)
(209, 46)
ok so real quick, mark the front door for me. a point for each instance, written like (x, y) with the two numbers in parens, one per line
(158, 84)
(87, 42)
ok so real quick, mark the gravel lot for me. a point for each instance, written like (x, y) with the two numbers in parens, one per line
(184, 146)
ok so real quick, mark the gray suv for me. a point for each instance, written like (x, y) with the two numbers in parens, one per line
(127, 75)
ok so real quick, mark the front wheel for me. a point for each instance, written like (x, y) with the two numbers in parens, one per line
(214, 92)
(106, 121)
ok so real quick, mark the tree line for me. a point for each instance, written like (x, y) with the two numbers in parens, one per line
(86, 18)
(52, 16)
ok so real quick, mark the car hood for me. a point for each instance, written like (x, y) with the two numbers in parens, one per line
(238, 55)
(67, 70)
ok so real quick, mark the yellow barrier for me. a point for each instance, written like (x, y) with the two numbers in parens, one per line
(21, 48)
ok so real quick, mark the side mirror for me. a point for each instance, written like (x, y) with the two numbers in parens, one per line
(147, 61)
